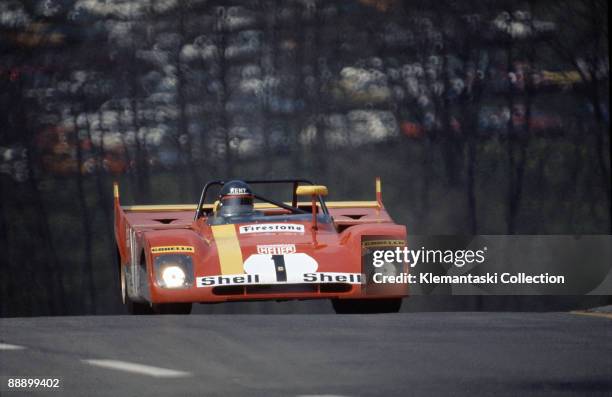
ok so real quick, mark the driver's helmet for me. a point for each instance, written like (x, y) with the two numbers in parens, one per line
(235, 198)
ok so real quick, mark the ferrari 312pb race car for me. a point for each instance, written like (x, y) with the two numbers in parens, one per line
(237, 245)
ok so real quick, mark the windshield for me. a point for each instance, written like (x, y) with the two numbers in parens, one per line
(274, 193)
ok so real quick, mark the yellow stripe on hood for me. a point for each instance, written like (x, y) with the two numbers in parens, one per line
(228, 249)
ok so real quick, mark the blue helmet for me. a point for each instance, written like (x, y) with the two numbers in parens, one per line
(235, 198)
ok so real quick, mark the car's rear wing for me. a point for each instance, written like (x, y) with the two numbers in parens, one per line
(181, 215)
(258, 206)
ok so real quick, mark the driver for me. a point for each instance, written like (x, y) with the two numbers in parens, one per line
(235, 199)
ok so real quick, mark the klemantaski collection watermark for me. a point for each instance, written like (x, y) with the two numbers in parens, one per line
(488, 278)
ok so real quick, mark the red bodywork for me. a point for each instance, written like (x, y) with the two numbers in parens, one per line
(336, 247)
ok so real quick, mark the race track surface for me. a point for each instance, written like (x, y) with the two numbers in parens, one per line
(469, 354)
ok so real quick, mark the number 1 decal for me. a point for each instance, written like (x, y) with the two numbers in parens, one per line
(286, 268)
(279, 265)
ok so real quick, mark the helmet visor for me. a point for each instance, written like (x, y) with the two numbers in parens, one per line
(236, 204)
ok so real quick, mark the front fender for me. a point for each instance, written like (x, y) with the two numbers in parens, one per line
(160, 242)
(353, 235)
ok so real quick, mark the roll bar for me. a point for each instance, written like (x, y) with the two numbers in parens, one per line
(294, 201)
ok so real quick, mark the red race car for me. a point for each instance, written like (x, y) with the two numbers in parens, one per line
(236, 245)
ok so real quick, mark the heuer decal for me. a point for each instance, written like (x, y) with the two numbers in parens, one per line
(272, 228)
(172, 249)
(276, 249)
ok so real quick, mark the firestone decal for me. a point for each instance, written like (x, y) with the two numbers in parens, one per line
(272, 228)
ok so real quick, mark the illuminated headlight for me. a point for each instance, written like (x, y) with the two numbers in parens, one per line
(174, 271)
(388, 269)
(173, 277)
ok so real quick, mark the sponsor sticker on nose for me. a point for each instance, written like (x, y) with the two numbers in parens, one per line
(281, 268)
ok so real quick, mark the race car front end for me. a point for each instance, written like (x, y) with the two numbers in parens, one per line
(271, 261)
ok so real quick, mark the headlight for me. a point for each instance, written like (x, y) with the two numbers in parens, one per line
(174, 271)
(173, 277)
(387, 269)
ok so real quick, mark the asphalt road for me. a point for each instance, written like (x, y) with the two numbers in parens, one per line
(467, 354)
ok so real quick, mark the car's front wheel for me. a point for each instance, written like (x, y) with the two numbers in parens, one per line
(172, 308)
(136, 308)
(365, 306)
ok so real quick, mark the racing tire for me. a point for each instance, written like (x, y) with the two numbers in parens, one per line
(172, 308)
(135, 308)
(367, 306)
(138, 308)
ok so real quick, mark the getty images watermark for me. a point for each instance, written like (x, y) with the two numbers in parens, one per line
(387, 262)
(488, 264)
(411, 257)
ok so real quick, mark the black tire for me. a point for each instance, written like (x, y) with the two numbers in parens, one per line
(135, 308)
(367, 306)
(172, 308)
(138, 308)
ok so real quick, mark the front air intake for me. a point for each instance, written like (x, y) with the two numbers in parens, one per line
(269, 289)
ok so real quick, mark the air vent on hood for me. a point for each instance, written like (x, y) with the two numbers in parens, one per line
(355, 216)
(165, 221)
